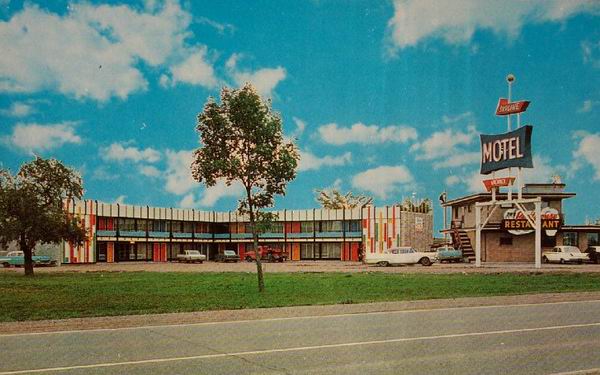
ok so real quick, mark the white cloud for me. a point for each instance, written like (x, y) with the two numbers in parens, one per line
(104, 174)
(366, 134)
(587, 106)
(309, 161)
(445, 143)
(18, 109)
(264, 80)
(458, 159)
(591, 53)
(461, 117)
(456, 21)
(149, 171)
(300, 126)
(452, 180)
(195, 70)
(120, 199)
(41, 137)
(542, 172)
(179, 173)
(92, 51)
(222, 28)
(122, 152)
(588, 151)
(211, 195)
(383, 181)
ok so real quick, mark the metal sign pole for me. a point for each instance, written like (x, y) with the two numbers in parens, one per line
(477, 236)
(509, 78)
(538, 234)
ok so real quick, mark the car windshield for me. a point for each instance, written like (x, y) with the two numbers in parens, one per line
(229, 252)
(193, 252)
(572, 249)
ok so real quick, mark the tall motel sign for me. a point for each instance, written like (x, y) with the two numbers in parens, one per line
(507, 152)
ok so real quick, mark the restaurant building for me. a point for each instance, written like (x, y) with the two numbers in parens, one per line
(502, 245)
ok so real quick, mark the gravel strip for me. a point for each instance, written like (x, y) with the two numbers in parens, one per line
(314, 266)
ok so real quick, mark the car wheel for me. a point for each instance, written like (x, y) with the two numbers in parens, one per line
(466, 260)
(248, 259)
(383, 264)
(425, 262)
(580, 261)
(545, 260)
(562, 261)
(6, 265)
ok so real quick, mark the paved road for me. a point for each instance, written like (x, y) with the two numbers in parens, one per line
(519, 339)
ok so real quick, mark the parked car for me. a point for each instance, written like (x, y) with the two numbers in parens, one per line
(451, 255)
(593, 253)
(17, 259)
(401, 255)
(227, 256)
(564, 254)
(191, 256)
(266, 253)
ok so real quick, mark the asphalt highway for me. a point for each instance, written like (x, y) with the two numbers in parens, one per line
(548, 338)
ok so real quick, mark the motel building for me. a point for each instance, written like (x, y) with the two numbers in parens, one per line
(507, 237)
(122, 233)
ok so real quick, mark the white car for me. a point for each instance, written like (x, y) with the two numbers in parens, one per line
(191, 256)
(401, 255)
(565, 254)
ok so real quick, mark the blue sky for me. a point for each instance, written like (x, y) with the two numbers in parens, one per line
(384, 98)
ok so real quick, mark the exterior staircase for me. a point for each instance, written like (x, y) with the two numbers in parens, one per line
(460, 240)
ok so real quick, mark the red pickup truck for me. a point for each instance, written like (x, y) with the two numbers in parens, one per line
(266, 253)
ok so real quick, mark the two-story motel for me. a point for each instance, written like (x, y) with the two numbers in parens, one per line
(118, 232)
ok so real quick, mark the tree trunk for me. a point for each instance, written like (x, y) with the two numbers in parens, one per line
(259, 271)
(28, 253)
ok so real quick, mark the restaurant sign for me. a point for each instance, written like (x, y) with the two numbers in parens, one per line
(498, 182)
(516, 223)
(512, 149)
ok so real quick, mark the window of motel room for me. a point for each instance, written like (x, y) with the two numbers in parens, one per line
(143, 250)
(202, 228)
(307, 250)
(276, 227)
(141, 225)
(331, 226)
(177, 226)
(570, 239)
(352, 226)
(332, 250)
(159, 226)
(126, 224)
(307, 226)
(188, 226)
(593, 239)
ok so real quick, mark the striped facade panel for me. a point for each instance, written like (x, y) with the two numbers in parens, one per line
(85, 213)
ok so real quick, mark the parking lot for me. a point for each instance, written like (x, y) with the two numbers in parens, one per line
(313, 266)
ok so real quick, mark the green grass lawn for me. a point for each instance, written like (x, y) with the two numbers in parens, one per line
(67, 295)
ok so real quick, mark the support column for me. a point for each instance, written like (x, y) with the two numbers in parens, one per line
(477, 236)
(538, 234)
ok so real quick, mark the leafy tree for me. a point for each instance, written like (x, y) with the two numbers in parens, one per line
(333, 199)
(32, 206)
(242, 142)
